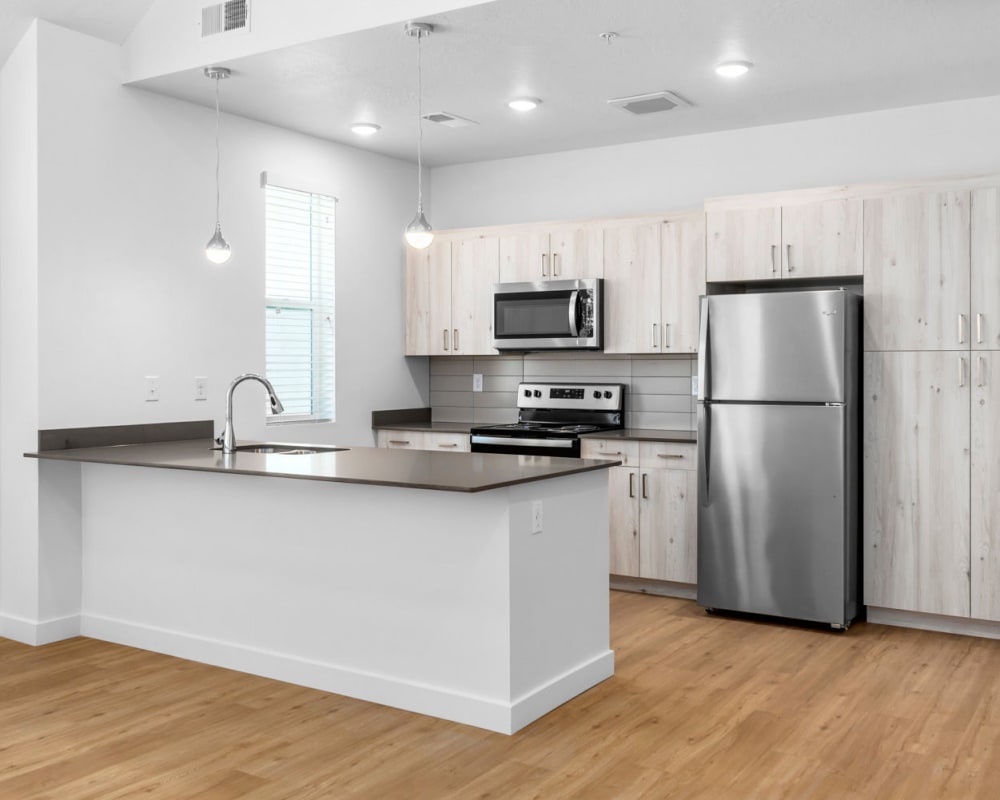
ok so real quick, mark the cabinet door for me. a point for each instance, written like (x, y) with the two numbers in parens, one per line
(668, 525)
(632, 289)
(821, 239)
(986, 486)
(525, 257)
(916, 482)
(623, 523)
(401, 440)
(428, 299)
(475, 267)
(916, 255)
(682, 282)
(577, 252)
(743, 244)
(986, 269)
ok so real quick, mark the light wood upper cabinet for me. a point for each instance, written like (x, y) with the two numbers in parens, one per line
(809, 239)
(682, 282)
(822, 239)
(552, 254)
(985, 256)
(449, 296)
(744, 244)
(632, 288)
(917, 481)
(917, 271)
(428, 299)
(985, 512)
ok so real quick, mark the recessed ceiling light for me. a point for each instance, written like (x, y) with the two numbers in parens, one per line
(365, 128)
(733, 69)
(524, 103)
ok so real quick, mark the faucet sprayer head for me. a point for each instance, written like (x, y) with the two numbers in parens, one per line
(276, 407)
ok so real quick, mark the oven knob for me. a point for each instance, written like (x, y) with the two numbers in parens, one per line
(538, 393)
(607, 395)
(597, 395)
(527, 392)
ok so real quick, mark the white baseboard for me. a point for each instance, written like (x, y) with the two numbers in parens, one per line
(35, 633)
(436, 701)
(934, 622)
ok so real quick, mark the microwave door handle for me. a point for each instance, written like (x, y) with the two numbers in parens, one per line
(574, 330)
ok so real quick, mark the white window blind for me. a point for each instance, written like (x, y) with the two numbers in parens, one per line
(299, 314)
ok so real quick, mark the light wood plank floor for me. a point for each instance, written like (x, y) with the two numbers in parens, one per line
(700, 707)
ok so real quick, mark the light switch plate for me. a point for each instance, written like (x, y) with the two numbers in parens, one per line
(152, 388)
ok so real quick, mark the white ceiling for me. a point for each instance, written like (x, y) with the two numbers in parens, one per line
(813, 58)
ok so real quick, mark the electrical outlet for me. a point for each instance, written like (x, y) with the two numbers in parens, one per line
(201, 388)
(536, 516)
(477, 381)
(152, 388)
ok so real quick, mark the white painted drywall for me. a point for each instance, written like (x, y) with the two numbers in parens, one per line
(19, 566)
(921, 142)
(127, 197)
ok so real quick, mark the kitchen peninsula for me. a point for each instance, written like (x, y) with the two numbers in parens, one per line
(408, 578)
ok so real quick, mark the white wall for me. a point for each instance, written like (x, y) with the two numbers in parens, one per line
(126, 206)
(19, 566)
(941, 140)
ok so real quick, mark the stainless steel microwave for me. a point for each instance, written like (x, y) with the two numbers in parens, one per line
(549, 315)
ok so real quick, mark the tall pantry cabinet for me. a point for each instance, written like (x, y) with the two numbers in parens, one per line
(932, 290)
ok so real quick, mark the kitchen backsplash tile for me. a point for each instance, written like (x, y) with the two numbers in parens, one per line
(657, 396)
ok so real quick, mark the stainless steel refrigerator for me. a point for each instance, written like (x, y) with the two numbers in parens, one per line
(778, 454)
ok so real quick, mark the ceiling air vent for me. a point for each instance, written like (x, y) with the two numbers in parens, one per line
(649, 103)
(449, 120)
(228, 17)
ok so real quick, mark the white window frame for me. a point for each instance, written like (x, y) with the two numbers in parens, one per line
(321, 308)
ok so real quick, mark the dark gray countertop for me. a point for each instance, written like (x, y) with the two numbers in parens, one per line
(645, 435)
(417, 469)
(432, 427)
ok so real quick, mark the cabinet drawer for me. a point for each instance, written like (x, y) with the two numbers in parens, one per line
(668, 455)
(625, 450)
(453, 442)
(401, 440)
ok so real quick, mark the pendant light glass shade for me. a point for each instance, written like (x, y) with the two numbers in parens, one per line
(419, 233)
(217, 250)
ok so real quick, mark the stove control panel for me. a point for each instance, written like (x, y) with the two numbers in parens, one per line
(571, 396)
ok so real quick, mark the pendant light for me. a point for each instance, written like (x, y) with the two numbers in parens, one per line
(217, 250)
(419, 233)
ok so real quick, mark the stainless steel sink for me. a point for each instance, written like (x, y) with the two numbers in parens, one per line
(285, 449)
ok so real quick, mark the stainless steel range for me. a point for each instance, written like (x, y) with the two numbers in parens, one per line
(551, 417)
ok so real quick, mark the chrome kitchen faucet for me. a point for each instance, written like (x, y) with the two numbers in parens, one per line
(228, 439)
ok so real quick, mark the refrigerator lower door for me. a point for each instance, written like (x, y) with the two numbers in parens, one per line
(773, 517)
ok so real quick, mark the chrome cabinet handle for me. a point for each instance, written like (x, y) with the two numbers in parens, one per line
(774, 249)
(961, 372)
(656, 339)
(445, 333)
(669, 455)
(555, 266)
(666, 335)
(631, 484)
(545, 274)
(455, 340)
(979, 371)
(961, 328)
(979, 328)
(398, 441)
(447, 445)
(645, 487)
(788, 256)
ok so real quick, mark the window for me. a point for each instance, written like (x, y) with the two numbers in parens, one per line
(299, 313)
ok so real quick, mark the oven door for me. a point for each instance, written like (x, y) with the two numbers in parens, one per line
(548, 315)
(523, 446)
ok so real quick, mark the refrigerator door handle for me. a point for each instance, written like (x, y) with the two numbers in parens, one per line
(704, 440)
(703, 365)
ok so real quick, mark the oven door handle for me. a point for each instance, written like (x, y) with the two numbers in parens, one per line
(574, 329)
(513, 441)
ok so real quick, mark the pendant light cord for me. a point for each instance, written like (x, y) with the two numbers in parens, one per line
(420, 128)
(218, 152)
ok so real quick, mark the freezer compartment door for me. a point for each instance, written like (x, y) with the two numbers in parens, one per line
(773, 516)
(776, 346)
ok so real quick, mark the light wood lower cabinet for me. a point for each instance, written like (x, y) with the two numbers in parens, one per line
(424, 440)
(917, 481)
(652, 508)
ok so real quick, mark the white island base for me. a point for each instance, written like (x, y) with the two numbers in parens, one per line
(438, 602)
